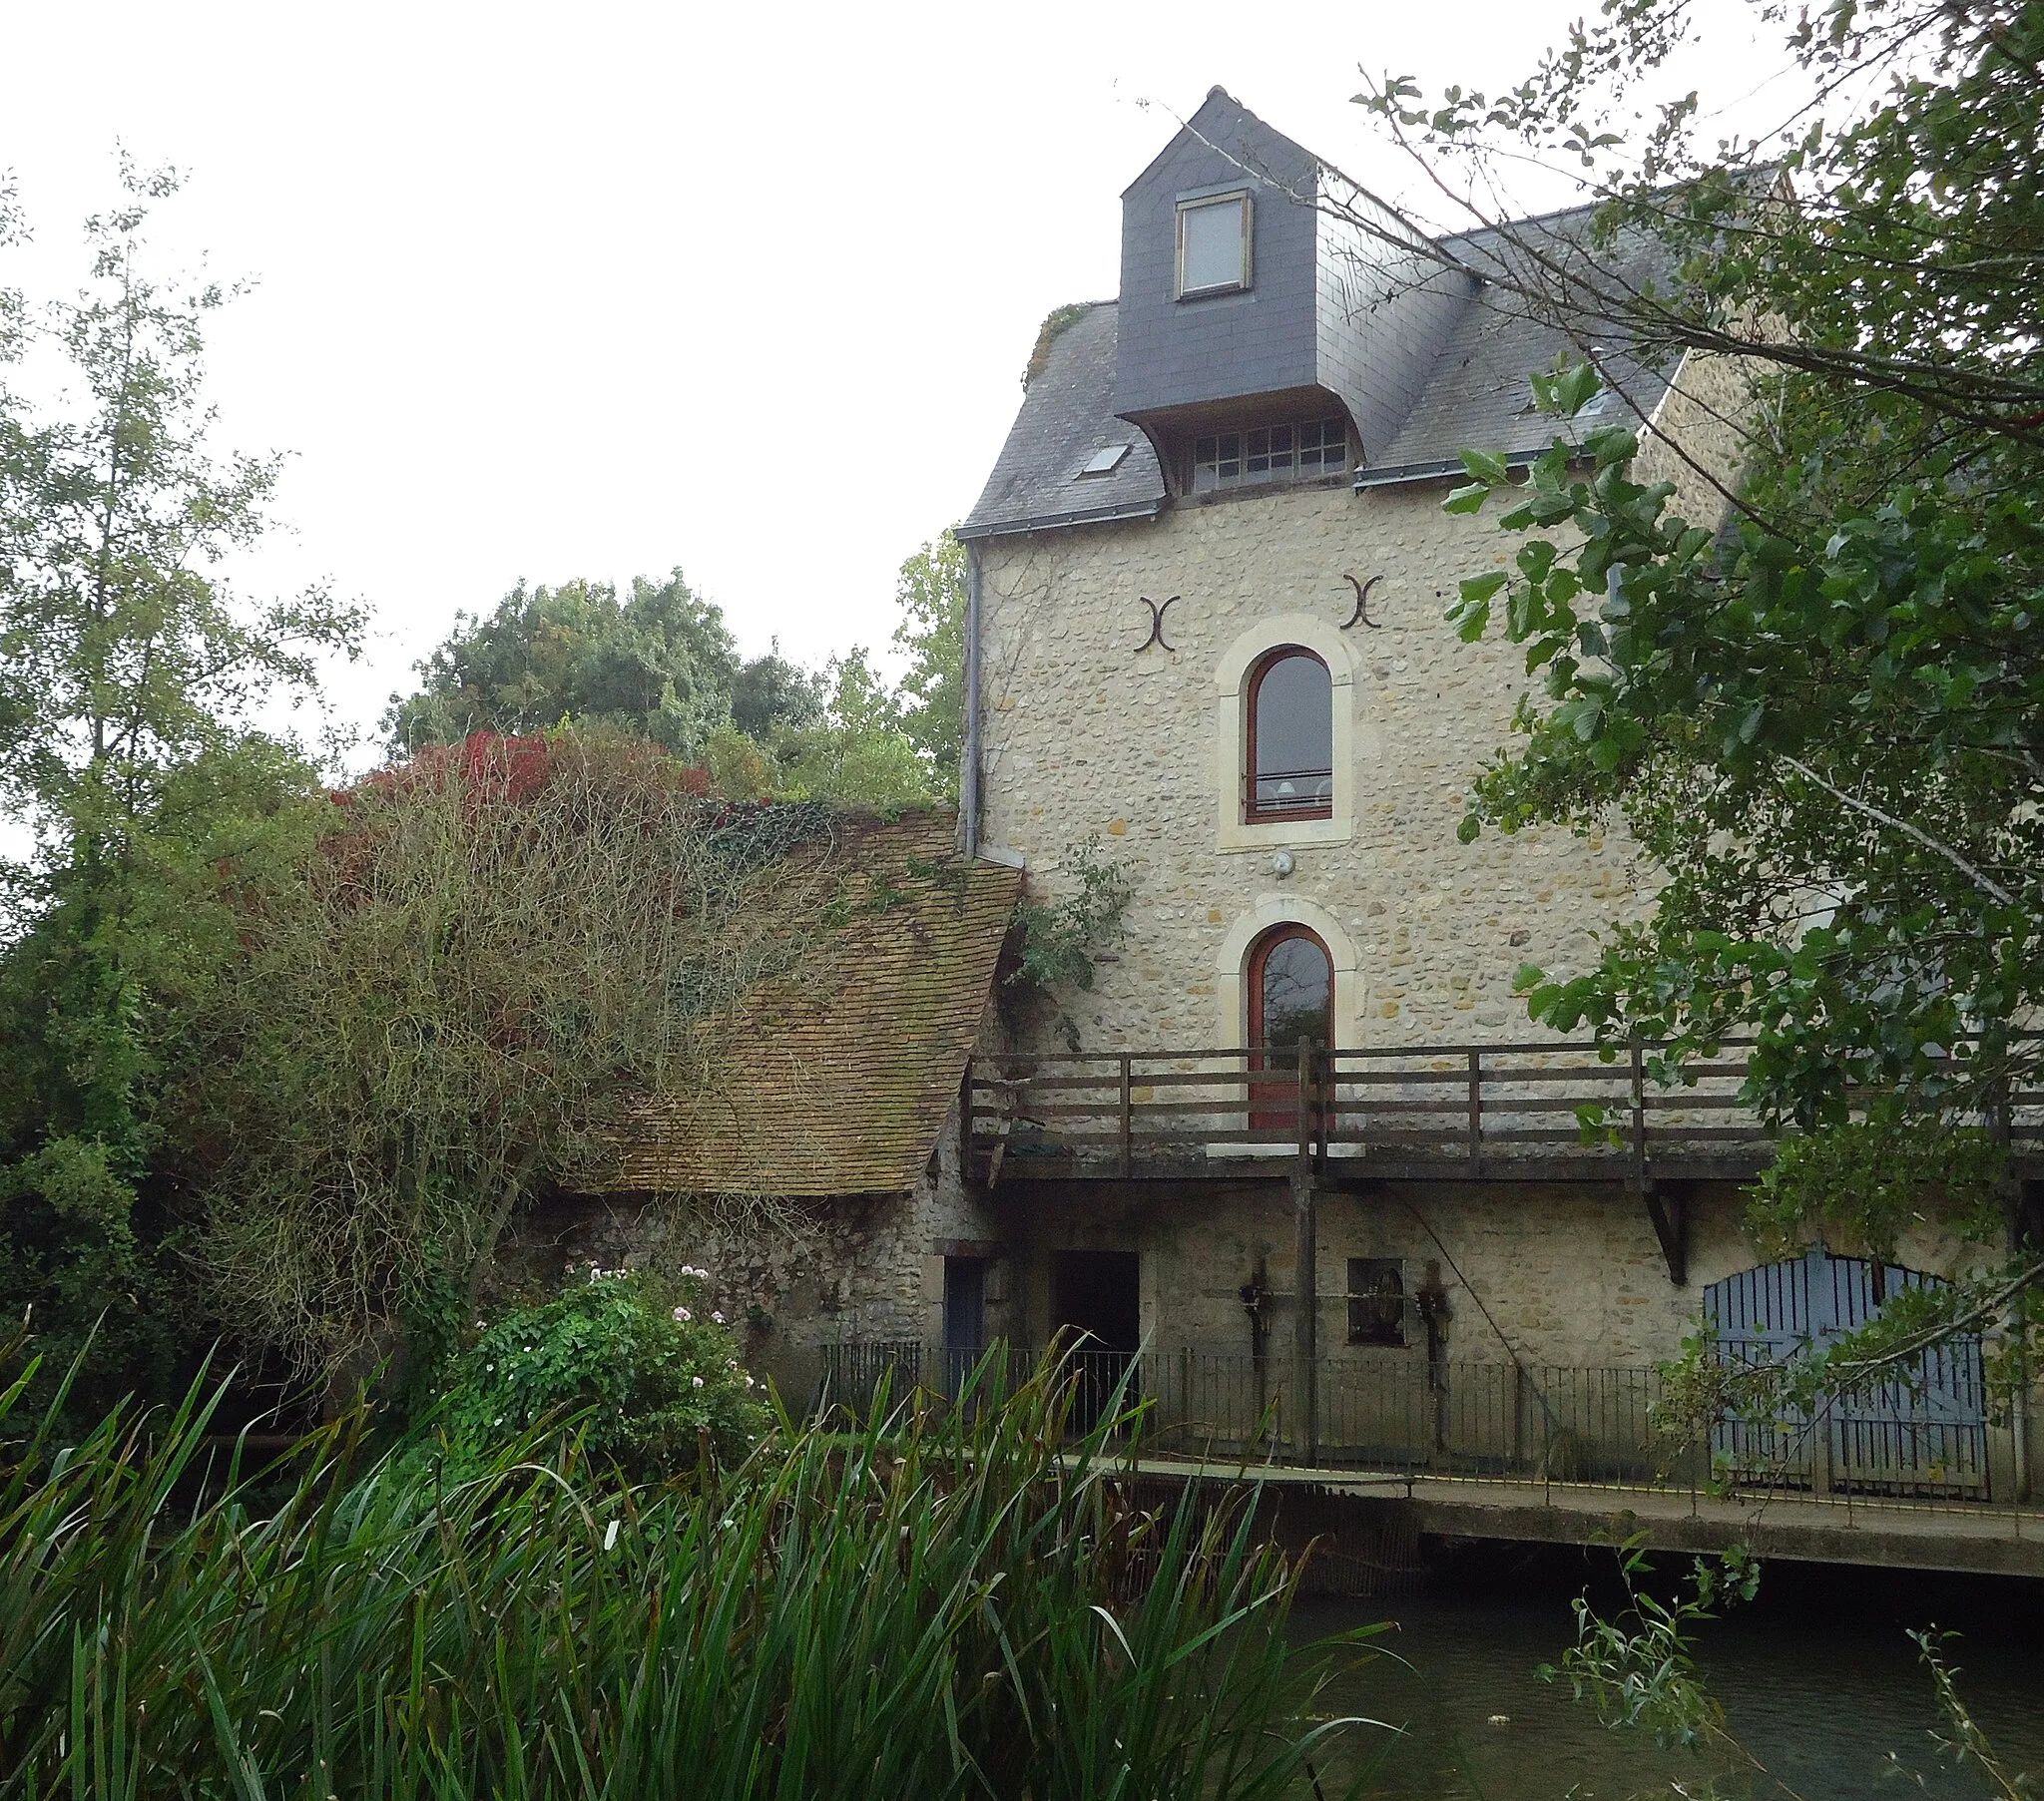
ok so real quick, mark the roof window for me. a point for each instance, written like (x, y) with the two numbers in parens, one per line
(1104, 461)
(1214, 244)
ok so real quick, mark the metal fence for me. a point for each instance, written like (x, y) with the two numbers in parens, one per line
(1549, 1426)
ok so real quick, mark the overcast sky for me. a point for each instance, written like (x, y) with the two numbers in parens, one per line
(605, 288)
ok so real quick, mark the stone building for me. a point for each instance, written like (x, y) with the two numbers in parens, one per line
(1209, 572)
(1306, 1158)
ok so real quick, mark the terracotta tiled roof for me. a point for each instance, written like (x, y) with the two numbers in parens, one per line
(838, 1079)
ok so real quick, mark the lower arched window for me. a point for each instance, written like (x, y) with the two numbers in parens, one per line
(1289, 738)
(1290, 1001)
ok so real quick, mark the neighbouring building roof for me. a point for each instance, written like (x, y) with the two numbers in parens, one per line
(838, 1079)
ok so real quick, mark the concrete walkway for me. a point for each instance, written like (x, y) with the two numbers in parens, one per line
(1889, 1533)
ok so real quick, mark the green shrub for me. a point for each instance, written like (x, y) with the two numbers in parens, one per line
(636, 1361)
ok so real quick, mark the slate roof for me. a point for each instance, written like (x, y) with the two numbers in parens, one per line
(1068, 415)
(1475, 397)
(838, 1080)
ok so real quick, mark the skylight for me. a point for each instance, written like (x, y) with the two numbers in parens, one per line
(1106, 460)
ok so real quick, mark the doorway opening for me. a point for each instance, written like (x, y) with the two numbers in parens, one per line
(1098, 1302)
(964, 1319)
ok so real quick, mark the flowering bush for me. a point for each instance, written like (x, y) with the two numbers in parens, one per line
(637, 1357)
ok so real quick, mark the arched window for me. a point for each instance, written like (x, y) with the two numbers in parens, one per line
(1290, 737)
(1291, 989)
(1292, 1000)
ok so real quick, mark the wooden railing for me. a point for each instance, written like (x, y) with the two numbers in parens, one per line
(1453, 1108)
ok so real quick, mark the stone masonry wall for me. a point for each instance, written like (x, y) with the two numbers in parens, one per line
(1087, 737)
(1547, 1273)
(798, 1275)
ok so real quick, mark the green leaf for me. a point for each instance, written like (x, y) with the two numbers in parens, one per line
(1565, 390)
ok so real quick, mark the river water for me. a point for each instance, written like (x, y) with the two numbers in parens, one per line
(1817, 1677)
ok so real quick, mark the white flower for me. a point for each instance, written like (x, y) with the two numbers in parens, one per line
(719, 1317)
(681, 1313)
(731, 1363)
(696, 1380)
(610, 1537)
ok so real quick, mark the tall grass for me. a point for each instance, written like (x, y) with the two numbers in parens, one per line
(935, 1605)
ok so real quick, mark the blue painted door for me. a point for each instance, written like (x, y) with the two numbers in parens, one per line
(1926, 1430)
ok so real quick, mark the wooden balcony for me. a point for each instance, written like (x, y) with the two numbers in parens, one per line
(1486, 1113)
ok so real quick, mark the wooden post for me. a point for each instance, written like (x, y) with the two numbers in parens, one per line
(1475, 1112)
(1307, 1349)
(1305, 1215)
(1639, 1112)
(1126, 1120)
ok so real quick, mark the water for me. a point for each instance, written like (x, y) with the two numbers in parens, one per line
(1817, 1679)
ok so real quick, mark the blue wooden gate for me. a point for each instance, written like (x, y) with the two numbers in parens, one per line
(1924, 1432)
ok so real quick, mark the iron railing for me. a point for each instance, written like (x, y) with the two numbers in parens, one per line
(1552, 1427)
(1464, 1108)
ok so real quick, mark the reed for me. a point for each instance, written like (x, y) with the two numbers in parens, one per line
(937, 1604)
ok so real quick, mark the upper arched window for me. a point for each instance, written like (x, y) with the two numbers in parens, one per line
(1290, 737)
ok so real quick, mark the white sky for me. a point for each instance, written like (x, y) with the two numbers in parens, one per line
(604, 289)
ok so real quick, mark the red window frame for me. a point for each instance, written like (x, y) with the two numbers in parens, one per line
(1273, 1087)
(1312, 810)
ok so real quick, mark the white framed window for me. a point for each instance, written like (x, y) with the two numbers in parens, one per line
(1269, 453)
(1284, 760)
(1214, 239)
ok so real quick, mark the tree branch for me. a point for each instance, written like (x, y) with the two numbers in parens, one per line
(1935, 846)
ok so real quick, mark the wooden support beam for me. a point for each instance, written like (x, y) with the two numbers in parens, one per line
(1305, 1212)
(1667, 1208)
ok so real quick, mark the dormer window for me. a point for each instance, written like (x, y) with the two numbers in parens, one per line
(1269, 453)
(1213, 246)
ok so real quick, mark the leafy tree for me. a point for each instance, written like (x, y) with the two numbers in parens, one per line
(771, 691)
(127, 674)
(1824, 722)
(860, 754)
(658, 662)
(930, 592)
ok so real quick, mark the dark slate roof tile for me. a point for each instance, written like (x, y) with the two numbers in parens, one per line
(1476, 395)
(1066, 416)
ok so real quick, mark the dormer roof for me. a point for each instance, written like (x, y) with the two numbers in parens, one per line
(1428, 359)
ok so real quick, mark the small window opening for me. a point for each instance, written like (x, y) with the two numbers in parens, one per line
(1106, 460)
(1290, 739)
(1376, 1302)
